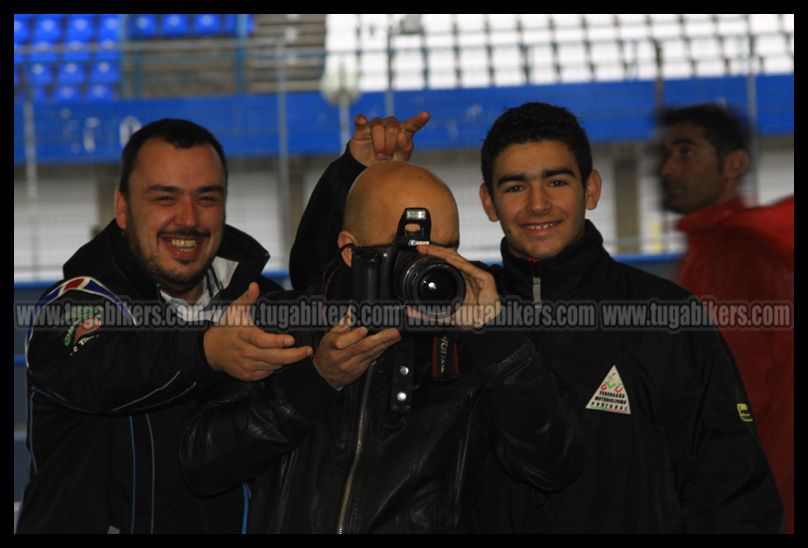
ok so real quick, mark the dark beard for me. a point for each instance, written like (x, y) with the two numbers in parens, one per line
(170, 282)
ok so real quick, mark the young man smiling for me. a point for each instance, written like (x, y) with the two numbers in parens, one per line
(670, 445)
(108, 393)
(669, 448)
(540, 211)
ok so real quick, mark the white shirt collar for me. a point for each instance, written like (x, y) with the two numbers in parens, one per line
(217, 277)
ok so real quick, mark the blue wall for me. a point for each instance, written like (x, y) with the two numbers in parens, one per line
(247, 125)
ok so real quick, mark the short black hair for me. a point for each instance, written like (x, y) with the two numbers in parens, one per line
(724, 128)
(533, 122)
(178, 132)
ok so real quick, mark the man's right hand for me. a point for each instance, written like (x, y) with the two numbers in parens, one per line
(384, 139)
(245, 352)
(344, 354)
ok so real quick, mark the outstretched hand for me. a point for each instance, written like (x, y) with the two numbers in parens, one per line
(236, 346)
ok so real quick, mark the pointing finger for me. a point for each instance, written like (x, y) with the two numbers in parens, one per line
(417, 122)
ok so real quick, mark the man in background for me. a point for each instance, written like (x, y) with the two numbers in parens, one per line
(736, 254)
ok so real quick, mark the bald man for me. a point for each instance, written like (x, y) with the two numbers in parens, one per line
(383, 191)
(387, 432)
(374, 141)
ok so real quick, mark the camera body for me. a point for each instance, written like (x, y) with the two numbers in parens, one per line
(397, 273)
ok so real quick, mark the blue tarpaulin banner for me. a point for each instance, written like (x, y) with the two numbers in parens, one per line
(247, 125)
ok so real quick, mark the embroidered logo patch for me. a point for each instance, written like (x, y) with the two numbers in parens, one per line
(82, 320)
(611, 395)
(745, 413)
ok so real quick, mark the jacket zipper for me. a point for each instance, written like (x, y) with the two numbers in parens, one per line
(357, 454)
(536, 290)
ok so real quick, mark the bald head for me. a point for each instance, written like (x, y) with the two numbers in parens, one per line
(380, 194)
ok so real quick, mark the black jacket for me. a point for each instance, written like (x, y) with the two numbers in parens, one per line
(315, 243)
(108, 403)
(366, 459)
(683, 460)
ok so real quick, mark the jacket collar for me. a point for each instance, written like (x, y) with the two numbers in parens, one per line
(708, 218)
(108, 257)
(561, 275)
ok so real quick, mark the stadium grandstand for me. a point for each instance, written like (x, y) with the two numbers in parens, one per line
(280, 92)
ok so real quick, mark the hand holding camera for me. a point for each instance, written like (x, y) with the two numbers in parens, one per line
(396, 275)
(431, 283)
(481, 303)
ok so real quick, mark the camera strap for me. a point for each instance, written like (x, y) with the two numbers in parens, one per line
(444, 358)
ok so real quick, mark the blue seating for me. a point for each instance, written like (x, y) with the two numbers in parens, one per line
(175, 25)
(144, 25)
(71, 74)
(100, 92)
(108, 51)
(19, 56)
(47, 29)
(231, 23)
(21, 33)
(207, 24)
(104, 72)
(40, 74)
(80, 28)
(43, 52)
(77, 51)
(109, 27)
(40, 94)
(66, 93)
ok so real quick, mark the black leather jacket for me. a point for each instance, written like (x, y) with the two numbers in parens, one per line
(397, 450)
(107, 407)
(680, 458)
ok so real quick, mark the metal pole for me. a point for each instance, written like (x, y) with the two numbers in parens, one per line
(659, 104)
(751, 98)
(659, 83)
(344, 104)
(240, 54)
(388, 96)
(344, 123)
(31, 179)
(283, 149)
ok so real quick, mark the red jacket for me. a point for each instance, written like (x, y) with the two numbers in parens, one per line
(742, 254)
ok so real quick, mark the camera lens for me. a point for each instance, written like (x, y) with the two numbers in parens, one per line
(436, 284)
(428, 280)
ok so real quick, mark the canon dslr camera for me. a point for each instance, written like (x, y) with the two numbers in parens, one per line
(396, 276)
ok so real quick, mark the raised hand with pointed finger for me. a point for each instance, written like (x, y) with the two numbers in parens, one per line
(382, 139)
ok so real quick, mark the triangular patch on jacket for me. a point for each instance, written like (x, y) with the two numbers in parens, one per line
(611, 395)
